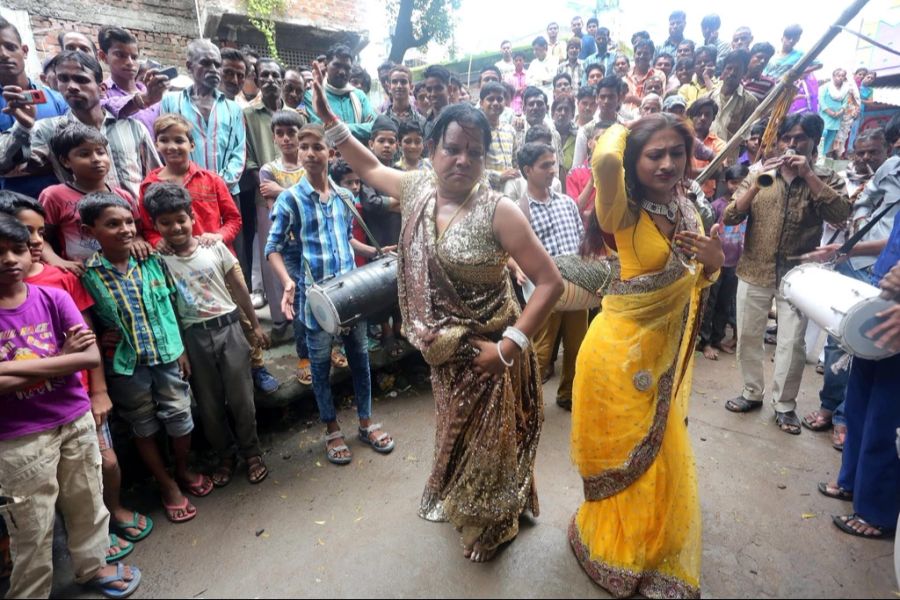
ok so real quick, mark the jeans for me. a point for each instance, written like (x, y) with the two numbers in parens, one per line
(834, 387)
(293, 261)
(355, 343)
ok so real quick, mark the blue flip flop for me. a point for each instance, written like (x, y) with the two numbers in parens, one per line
(133, 524)
(100, 585)
(123, 551)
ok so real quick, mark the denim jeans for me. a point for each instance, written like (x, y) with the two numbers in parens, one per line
(319, 344)
(293, 262)
(834, 387)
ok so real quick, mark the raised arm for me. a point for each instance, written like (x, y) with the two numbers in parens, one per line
(357, 156)
(613, 212)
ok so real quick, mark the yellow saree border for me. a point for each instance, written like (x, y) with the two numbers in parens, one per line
(623, 583)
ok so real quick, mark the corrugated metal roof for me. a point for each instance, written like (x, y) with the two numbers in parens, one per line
(887, 95)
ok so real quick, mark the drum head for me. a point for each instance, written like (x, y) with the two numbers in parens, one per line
(323, 310)
(860, 319)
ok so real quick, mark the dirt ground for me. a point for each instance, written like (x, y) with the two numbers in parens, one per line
(313, 529)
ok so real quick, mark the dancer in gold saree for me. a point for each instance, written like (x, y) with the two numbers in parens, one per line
(460, 311)
(638, 530)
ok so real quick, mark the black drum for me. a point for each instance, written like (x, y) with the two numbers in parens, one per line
(340, 302)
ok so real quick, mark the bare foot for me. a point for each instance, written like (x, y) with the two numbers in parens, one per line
(480, 554)
(710, 353)
(725, 347)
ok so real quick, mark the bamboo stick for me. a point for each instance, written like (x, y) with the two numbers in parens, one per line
(789, 78)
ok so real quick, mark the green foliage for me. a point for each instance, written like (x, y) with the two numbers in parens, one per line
(262, 16)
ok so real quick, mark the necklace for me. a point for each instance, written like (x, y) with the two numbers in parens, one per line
(458, 209)
(669, 211)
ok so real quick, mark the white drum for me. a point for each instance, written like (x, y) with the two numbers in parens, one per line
(843, 306)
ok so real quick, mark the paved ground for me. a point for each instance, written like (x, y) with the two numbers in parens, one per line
(313, 529)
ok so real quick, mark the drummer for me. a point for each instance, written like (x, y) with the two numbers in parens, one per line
(557, 223)
(314, 212)
(785, 222)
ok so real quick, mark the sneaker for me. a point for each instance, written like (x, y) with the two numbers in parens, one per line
(258, 299)
(264, 380)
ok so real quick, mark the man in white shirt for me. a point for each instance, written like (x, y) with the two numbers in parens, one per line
(506, 64)
(555, 48)
(542, 69)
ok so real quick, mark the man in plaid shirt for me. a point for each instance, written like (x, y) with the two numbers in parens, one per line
(556, 221)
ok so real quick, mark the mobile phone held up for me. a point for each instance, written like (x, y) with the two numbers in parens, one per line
(170, 72)
(34, 97)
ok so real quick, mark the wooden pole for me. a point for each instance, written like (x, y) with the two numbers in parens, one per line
(789, 78)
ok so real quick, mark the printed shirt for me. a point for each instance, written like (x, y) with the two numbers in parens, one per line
(882, 190)
(131, 150)
(34, 330)
(214, 208)
(785, 221)
(200, 279)
(501, 154)
(220, 143)
(276, 171)
(576, 72)
(557, 223)
(137, 303)
(323, 231)
(54, 107)
(60, 204)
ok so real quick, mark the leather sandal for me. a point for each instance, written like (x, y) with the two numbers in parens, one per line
(742, 405)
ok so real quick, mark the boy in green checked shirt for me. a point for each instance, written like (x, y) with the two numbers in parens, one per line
(147, 369)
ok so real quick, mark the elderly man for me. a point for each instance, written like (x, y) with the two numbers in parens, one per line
(785, 222)
(348, 104)
(14, 81)
(25, 147)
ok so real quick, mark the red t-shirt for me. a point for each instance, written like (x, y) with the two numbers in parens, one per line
(60, 202)
(54, 277)
(214, 208)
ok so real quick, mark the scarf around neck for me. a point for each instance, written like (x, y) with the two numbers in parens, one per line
(347, 90)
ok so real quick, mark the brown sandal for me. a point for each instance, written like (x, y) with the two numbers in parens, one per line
(304, 372)
(256, 469)
(818, 420)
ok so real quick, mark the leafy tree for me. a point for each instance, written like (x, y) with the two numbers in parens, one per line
(418, 22)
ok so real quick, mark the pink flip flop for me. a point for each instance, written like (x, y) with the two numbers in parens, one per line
(172, 509)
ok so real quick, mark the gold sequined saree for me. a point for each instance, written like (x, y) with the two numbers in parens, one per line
(455, 288)
(638, 530)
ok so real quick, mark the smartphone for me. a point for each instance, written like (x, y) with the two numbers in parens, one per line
(170, 72)
(35, 97)
(152, 64)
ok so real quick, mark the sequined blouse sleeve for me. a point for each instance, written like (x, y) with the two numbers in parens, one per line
(412, 184)
(613, 211)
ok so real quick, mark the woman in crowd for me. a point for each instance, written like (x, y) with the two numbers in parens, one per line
(638, 530)
(834, 103)
(459, 310)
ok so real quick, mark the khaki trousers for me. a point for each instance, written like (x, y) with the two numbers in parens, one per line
(574, 325)
(38, 473)
(753, 304)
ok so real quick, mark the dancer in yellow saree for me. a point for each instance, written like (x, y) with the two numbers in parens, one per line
(638, 530)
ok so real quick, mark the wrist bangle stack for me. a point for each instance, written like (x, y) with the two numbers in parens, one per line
(517, 337)
(337, 134)
(502, 359)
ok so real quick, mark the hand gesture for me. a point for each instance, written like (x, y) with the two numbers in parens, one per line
(16, 106)
(707, 250)
(890, 284)
(287, 300)
(141, 250)
(210, 239)
(320, 103)
(887, 333)
(157, 85)
(487, 362)
(78, 339)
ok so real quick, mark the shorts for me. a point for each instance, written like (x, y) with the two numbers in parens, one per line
(151, 396)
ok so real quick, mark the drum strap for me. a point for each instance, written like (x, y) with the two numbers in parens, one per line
(859, 235)
(362, 223)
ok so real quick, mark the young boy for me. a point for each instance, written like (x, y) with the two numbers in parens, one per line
(216, 347)
(517, 188)
(411, 147)
(557, 222)
(146, 367)
(314, 213)
(132, 525)
(84, 152)
(216, 216)
(723, 294)
(49, 456)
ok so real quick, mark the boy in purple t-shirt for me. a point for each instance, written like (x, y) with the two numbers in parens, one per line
(49, 455)
(720, 307)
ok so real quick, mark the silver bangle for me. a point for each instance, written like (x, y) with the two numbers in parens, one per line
(338, 134)
(502, 359)
(517, 337)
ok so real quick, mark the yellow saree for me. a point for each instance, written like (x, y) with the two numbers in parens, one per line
(638, 530)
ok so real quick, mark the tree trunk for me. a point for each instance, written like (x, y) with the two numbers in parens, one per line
(403, 38)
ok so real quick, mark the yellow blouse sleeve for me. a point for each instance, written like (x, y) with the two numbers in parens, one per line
(612, 208)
